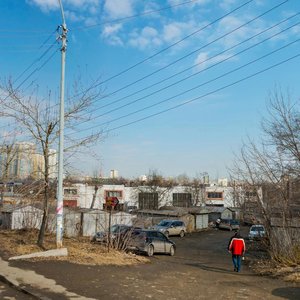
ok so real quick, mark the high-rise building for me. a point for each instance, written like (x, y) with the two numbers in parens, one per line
(21, 160)
(114, 174)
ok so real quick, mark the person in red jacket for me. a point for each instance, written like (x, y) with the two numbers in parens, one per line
(237, 248)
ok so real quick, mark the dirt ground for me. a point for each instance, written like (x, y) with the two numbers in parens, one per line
(200, 269)
(80, 251)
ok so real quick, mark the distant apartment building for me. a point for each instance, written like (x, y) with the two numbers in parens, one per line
(21, 160)
(114, 174)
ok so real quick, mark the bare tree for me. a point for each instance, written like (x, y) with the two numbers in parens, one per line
(38, 119)
(267, 168)
(196, 186)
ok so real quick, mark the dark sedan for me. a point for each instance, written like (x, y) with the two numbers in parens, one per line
(150, 242)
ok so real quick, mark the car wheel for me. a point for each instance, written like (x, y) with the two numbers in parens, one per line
(150, 250)
(172, 250)
(181, 234)
(167, 233)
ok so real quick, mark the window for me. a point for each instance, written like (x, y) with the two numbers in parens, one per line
(161, 236)
(70, 191)
(118, 194)
(178, 223)
(148, 200)
(182, 199)
(215, 195)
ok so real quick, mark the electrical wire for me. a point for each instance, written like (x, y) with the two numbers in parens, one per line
(193, 52)
(197, 73)
(96, 84)
(207, 94)
(184, 92)
(197, 64)
(167, 48)
(119, 20)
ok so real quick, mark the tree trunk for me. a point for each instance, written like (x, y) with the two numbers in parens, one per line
(94, 197)
(40, 241)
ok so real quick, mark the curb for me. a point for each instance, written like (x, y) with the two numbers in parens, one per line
(19, 288)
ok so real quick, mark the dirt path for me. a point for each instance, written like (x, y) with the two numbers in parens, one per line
(201, 269)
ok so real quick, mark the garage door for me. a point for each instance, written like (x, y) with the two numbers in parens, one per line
(201, 221)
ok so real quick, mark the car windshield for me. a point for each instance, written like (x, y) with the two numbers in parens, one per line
(164, 223)
(257, 228)
(117, 228)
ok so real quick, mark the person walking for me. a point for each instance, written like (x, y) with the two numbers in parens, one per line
(237, 248)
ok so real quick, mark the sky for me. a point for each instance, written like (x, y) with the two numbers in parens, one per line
(182, 83)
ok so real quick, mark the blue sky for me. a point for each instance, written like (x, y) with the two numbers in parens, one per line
(200, 112)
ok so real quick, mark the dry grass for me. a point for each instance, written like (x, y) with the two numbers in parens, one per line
(270, 268)
(80, 251)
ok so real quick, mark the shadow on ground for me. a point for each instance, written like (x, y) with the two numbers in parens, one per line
(291, 293)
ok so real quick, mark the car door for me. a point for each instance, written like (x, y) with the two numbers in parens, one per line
(173, 229)
(161, 240)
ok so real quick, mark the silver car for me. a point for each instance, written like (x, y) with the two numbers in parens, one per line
(150, 242)
(257, 232)
(171, 227)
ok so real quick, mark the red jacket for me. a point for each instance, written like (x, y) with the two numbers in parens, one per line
(237, 246)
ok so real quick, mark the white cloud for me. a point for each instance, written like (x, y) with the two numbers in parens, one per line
(111, 29)
(188, 5)
(49, 5)
(229, 24)
(203, 60)
(226, 4)
(171, 32)
(118, 8)
(45, 5)
(148, 36)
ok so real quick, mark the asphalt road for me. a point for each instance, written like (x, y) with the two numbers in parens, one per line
(200, 269)
(10, 293)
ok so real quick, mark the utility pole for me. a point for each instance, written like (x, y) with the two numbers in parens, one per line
(59, 207)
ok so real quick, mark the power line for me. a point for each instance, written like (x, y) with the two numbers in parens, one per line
(184, 92)
(36, 60)
(119, 20)
(197, 73)
(194, 51)
(197, 64)
(33, 72)
(179, 59)
(207, 94)
(166, 48)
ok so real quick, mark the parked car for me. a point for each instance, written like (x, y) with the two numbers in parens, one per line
(257, 232)
(117, 232)
(131, 209)
(150, 242)
(171, 227)
(229, 224)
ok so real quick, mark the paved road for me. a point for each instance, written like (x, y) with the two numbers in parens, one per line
(201, 269)
(9, 293)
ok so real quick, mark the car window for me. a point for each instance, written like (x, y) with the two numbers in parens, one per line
(164, 223)
(153, 234)
(161, 236)
(257, 228)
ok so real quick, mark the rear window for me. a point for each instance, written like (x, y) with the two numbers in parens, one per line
(178, 223)
(234, 222)
(164, 223)
(257, 228)
(225, 221)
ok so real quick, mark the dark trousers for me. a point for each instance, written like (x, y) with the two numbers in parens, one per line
(237, 262)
